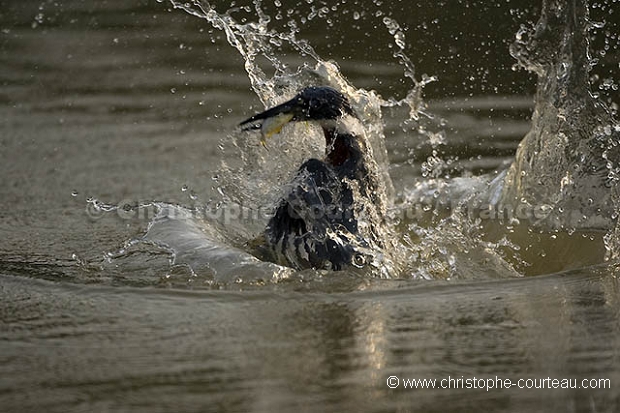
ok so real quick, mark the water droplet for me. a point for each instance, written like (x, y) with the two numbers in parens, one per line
(38, 19)
(359, 261)
(399, 39)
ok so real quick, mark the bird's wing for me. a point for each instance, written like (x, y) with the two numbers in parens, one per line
(314, 222)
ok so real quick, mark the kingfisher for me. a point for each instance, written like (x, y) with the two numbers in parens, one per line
(333, 212)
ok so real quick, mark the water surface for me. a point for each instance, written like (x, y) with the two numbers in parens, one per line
(129, 103)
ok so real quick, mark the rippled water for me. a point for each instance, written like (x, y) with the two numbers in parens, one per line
(125, 280)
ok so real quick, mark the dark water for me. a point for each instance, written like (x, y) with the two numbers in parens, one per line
(127, 102)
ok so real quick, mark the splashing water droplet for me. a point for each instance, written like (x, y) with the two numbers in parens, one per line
(39, 18)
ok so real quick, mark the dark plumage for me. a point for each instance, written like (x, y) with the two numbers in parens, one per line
(331, 216)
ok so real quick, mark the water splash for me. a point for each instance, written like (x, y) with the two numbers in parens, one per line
(566, 166)
(563, 179)
(253, 40)
(414, 98)
(256, 39)
(568, 161)
(253, 181)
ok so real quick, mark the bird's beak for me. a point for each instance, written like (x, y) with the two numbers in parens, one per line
(271, 121)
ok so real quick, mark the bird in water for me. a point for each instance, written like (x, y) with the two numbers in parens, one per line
(333, 214)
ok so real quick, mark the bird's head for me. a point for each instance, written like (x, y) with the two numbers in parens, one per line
(315, 103)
